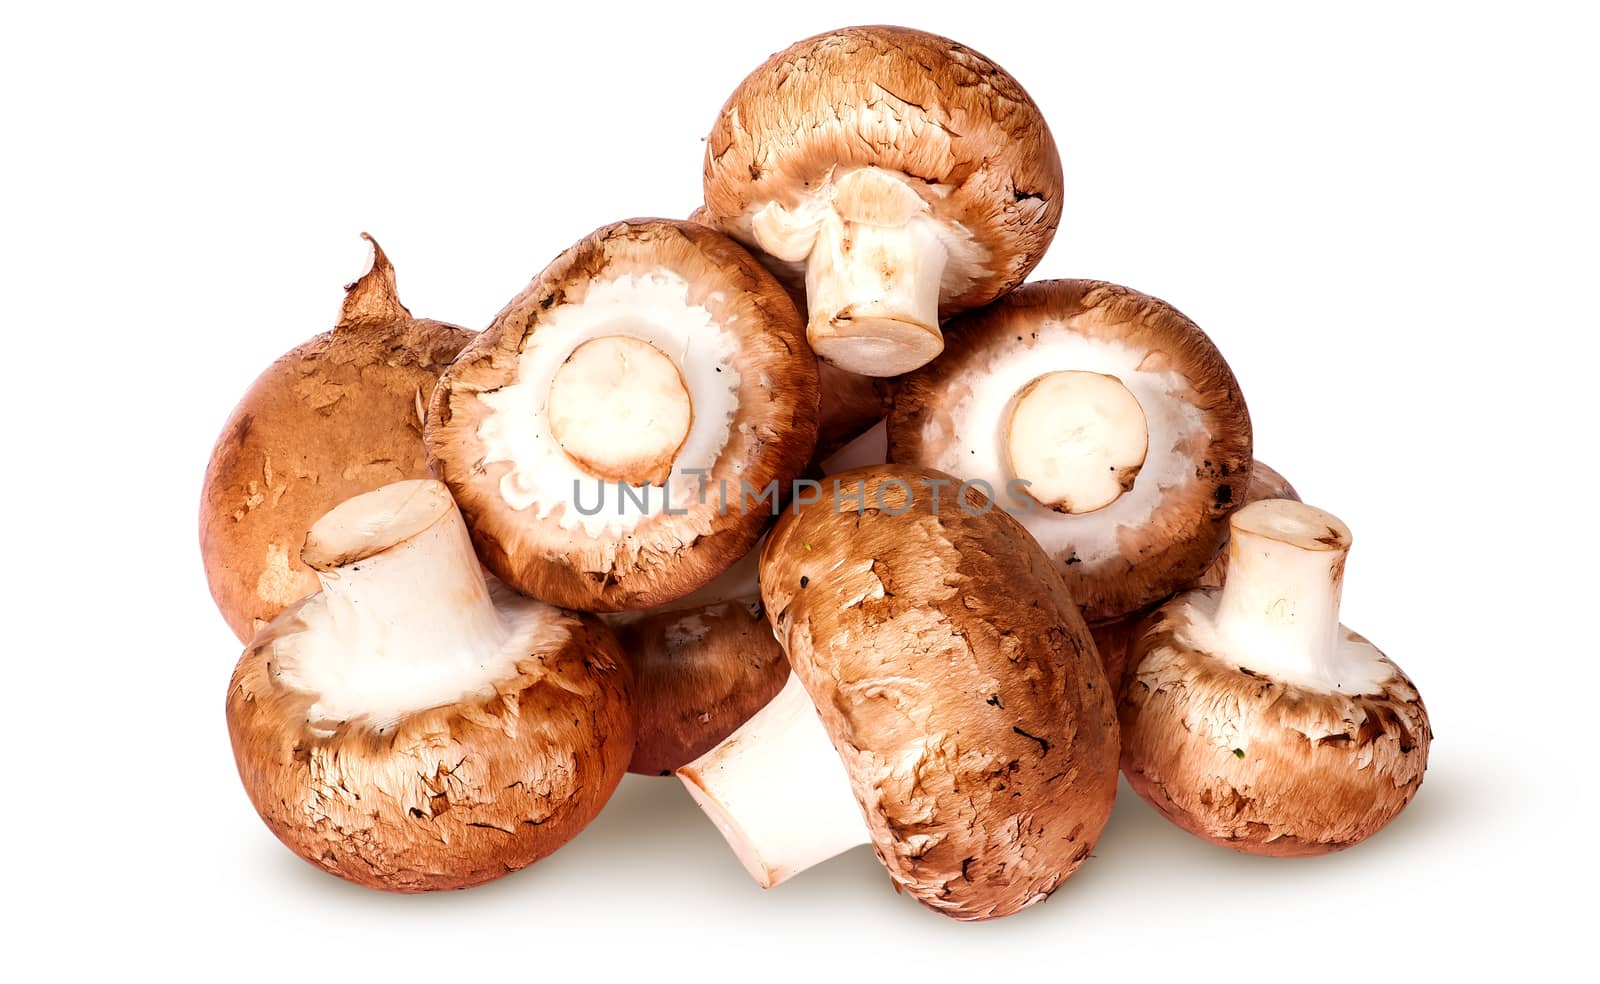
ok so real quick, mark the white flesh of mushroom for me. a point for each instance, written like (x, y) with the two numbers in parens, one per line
(405, 620)
(778, 791)
(657, 310)
(647, 410)
(1078, 438)
(877, 264)
(977, 450)
(1278, 613)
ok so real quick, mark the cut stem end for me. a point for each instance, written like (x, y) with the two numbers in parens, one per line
(1078, 439)
(874, 276)
(620, 410)
(1279, 609)
(778, 791)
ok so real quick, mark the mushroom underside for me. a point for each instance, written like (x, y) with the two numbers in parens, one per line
(592, 434)
(1103, 419)
(1253, 718)
(921, 181)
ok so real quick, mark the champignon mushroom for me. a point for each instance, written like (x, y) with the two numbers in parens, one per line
(946, 704)
(1114, 637)
(1104, 419)
(1253, 719)
(339, 415)
(411, 727)
(599, 434)
(701, 666)
(900, 176)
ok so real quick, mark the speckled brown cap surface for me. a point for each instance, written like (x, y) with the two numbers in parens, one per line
(698, 674)
(443, 798)
(334, 417)
(906, 101)
(959, 685)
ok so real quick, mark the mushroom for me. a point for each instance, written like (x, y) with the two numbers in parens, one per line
(600, 434)
(1253, 719)
(946, 704)
(1105, 420)
(1114, 637)
(701, 666)
(899, 176)
(411, 727)
(338, 415)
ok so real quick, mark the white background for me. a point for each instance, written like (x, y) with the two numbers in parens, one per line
(1386, 219)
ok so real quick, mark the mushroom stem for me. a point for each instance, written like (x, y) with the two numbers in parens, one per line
(1279, 610)
(778, 791)
(620, 410)
(400, 581)
(873, 294)
(1077, 438)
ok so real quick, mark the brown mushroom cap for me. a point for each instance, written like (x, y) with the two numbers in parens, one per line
(701, 666)
(1159, 534)
(958, 683)
(1321, 770)
(446, 796)
(1252, 718)
(900, 100)
(334, 417)
(748, 373)
(958, 131)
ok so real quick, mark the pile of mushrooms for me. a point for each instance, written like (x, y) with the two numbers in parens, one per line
(809, 501)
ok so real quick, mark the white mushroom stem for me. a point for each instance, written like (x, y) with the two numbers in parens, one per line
(874, 268)
(1279, 610)
(402, 591)
(1077, 438)
(873, 294)
(620, 410)
(778, 791)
